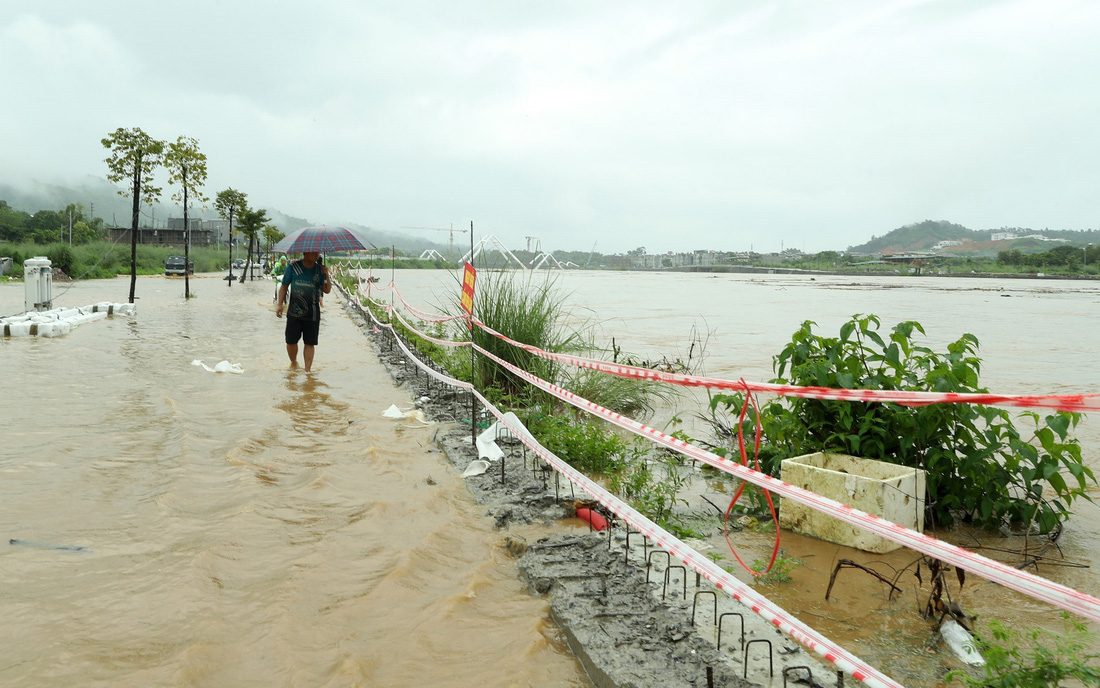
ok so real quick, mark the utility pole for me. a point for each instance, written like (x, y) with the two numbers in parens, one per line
(473, 359)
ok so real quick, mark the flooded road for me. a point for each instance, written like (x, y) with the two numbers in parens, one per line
(179, 527)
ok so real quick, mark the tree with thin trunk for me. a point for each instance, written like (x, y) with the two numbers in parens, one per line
(134, 157)
(229, 203)
(187, 168)
(251, 223)
(272, 236)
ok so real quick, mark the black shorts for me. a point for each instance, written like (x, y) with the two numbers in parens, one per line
(305, 329)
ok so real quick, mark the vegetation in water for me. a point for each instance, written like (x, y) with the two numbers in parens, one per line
(1033, 658)
(980, 467)
(780, 571)
(531, 311)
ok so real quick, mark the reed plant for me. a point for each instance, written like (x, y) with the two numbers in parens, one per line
(525, 307)
(530, 309)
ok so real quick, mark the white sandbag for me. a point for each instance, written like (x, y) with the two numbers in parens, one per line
(20, 329)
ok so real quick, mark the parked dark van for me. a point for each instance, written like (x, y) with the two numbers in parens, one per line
(174, 266)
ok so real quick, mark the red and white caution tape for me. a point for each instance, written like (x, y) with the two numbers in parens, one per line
(1040, 588)
(415, 359)
(721, 579)
(1035, 586)
(422, 335)
(423, 315)
(1057, 402)
(1078, 403)
(1060, 596)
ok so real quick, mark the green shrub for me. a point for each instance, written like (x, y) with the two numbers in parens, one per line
(15, 254)
(780, 571)
(588, 446)
(1025, 658)
(979, 467)
(62, 257)
(650, 485)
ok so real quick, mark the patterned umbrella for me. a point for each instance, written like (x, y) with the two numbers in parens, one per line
(322, 240)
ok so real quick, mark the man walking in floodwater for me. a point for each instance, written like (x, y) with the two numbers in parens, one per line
(307, 279)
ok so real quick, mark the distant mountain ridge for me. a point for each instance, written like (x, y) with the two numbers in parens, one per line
(100, 199)
(922, 236)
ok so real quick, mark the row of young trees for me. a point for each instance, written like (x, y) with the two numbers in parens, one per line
(134, 158)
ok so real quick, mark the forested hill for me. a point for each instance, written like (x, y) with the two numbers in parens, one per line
(100, 198)
(921, 236)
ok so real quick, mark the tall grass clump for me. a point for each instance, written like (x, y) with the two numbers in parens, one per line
(529, 308)
(526, 308)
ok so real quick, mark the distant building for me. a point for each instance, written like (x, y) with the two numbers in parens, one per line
(218, 229)
(944, 244)
(701, 257)
(163, 237)
(1040, 237)
(1003, 236)
(177, 223)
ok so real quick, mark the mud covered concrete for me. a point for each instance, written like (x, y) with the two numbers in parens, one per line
(625, 612)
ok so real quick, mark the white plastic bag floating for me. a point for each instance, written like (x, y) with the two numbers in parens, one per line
(398, 414)
(486, 442)
(487, 445)
(221, 367)
(961, 643)
(476, 467)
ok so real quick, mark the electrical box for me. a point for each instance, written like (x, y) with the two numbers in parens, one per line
(38, 281)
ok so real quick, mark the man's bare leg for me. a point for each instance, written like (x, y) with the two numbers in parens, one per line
(307, 354)
(292, 352)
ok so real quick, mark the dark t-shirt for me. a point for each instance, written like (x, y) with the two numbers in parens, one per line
(305, 289)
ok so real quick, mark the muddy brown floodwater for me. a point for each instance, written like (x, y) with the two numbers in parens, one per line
(174, 526)
(1037, 336)
(180, 527)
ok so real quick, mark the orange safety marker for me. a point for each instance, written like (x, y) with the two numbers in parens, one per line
(469, 275)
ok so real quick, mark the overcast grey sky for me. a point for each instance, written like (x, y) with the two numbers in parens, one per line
(674, 126)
